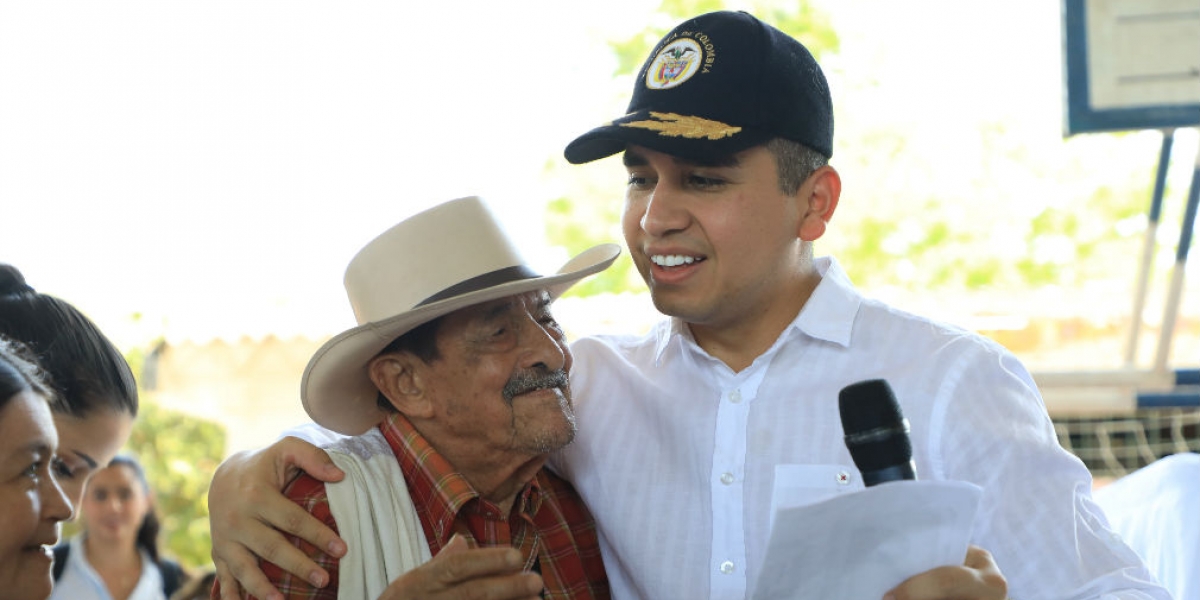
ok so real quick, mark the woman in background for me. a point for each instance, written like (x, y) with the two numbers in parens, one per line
(96, 392)
(115, 557)
(31, 502)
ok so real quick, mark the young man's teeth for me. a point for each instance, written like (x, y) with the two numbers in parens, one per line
(673, 260)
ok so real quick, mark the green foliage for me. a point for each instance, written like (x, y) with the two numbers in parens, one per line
(180, 453)
(579, 226)
(1065, 245)
(798, 19)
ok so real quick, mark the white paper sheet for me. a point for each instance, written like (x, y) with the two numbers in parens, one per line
(860, 545)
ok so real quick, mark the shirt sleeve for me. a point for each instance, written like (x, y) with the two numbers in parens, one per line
(310, 494)
(1036, 517)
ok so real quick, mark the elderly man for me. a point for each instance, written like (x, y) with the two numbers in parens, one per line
(457, 374)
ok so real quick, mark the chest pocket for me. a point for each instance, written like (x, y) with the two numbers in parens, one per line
(800, 485)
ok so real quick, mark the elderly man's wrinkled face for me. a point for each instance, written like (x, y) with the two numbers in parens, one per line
(501, 380)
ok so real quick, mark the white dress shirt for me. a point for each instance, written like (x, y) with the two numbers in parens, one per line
(1154, 509)
(680, 458)
(80, 581)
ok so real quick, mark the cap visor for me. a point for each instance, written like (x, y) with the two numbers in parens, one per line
(640, 129)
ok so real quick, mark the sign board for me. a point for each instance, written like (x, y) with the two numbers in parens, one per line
(1131, 64)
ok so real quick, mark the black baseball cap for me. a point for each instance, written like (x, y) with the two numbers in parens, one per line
(715, 85)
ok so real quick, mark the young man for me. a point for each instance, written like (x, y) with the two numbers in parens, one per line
(457, 372)
(689, 435)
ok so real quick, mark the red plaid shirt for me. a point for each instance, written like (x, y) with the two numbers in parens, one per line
(548, 523)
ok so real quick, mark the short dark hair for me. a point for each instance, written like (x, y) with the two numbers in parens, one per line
(795, 163)
(86, 371)
(420, 341)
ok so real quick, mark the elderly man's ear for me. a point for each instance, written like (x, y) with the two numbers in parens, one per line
(398, 377)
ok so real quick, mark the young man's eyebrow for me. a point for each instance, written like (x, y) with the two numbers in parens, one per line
(632, 158)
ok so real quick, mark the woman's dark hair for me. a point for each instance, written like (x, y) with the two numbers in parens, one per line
(19, 373)
(86, 371)
(147, 534)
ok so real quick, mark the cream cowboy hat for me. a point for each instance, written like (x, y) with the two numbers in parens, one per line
(449, 257)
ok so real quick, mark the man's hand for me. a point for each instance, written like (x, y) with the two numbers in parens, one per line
(978, 579)
(460, 573)
(247, 511)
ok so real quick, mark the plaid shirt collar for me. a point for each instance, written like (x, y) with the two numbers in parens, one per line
(443, 491)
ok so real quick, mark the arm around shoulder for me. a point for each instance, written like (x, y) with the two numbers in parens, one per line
(248, 515)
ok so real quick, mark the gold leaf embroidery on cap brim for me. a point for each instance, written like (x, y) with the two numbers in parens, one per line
(673, 125)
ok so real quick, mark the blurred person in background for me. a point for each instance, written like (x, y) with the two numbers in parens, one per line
(115, 556)
(97, 394)
(31, 502)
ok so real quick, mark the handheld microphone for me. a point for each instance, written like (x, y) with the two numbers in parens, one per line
(876, 432)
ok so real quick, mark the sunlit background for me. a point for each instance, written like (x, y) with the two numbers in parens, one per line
(197, 175)
(211, 167)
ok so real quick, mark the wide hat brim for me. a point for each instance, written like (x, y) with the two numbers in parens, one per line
(336, 390)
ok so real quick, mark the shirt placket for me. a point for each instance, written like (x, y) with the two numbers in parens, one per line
(728, 568)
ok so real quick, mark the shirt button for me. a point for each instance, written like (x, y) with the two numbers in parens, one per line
(735, 396)
(727, 567)
(727, 478)
(843, 478)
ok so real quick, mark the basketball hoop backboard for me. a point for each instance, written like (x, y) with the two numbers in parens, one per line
(1131, 64)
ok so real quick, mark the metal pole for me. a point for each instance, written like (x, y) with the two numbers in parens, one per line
(1176, 293)
(1156, 202)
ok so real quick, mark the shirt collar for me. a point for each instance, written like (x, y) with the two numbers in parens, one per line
(828, 315)
(830, 312)
(436, 484)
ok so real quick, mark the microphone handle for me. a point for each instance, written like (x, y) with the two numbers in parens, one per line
(905, 471)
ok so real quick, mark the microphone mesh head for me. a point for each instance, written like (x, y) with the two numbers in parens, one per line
(870, 405)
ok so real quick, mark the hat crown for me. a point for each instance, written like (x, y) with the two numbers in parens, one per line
(746, 73)
(718, 84)
(458, 242)
(718, 53)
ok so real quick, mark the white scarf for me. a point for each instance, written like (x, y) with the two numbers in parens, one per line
(375, 517)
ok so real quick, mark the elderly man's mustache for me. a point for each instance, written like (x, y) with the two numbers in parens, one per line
(527, 381)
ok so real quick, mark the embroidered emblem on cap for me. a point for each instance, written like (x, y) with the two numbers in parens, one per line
(673, 125)
(674, 64)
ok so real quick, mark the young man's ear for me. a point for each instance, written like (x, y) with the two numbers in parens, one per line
(820, 193)
(397, 378)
